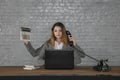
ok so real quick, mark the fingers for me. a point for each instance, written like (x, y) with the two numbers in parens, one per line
(26, 42)
(71, 38)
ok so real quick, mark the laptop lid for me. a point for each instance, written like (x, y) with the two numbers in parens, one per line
(59, 59)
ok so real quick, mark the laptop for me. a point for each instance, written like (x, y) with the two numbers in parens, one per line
(59, 59)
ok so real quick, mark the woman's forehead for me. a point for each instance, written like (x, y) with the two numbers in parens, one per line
(57, 27)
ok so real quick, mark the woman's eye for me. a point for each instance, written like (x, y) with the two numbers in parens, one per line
(55, 31)
(60, 30)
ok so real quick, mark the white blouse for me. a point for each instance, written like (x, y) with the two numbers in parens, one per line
(58, 45)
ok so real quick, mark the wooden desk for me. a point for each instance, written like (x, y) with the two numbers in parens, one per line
(83, 70)
(79, 73)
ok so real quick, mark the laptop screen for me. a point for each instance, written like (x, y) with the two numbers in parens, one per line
(59, 59)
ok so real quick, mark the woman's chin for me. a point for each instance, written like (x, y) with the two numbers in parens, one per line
(58, 37)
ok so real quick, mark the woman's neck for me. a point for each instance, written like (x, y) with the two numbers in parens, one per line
(58, 40)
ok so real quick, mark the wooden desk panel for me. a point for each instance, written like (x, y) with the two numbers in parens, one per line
(83, 70)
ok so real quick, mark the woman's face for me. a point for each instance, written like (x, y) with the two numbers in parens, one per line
(57, 32)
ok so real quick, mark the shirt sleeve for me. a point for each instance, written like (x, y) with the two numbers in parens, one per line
(33, 52)
(79, 51)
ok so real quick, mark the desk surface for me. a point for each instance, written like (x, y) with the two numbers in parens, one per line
(82, 70)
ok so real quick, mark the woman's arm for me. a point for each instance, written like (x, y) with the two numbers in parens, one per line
(33, 52)
(79, 51)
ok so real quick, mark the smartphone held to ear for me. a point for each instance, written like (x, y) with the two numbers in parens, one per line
(25, 34)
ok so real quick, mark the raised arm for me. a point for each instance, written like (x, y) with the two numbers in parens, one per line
(33, 52)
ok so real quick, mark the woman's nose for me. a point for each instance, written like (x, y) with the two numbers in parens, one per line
(58, 32)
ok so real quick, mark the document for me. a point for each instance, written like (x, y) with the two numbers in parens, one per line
(30, 67)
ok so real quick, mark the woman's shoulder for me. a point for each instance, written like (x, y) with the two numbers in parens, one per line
(47, 43)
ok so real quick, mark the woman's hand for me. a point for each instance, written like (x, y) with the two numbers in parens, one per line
(26, 42)
(71, 38)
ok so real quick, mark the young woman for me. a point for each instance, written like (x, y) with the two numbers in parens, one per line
(58, 40)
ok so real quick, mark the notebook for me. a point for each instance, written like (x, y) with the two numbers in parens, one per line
(59, 59)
